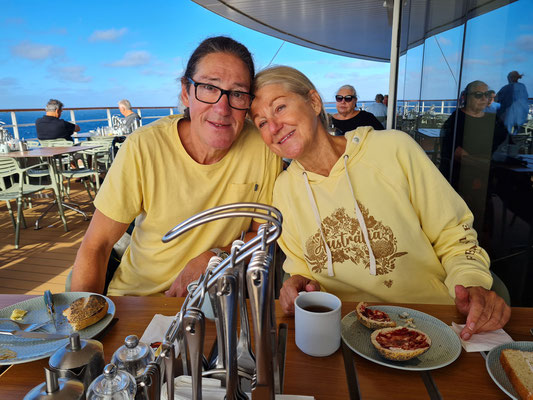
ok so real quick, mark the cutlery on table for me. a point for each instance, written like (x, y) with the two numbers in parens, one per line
(49, 301)
(32, 335)
(26, 327)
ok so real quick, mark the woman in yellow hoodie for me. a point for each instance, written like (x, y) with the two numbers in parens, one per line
(367, 216)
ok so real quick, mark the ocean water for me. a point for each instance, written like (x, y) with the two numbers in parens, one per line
(93, 118)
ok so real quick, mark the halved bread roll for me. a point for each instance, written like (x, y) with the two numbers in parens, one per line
(518, 365)
(400, 343)
(86, 311)
(373, 318)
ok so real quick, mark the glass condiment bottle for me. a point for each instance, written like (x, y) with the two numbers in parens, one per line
(133, 357)
(56, 389)
(113, 384)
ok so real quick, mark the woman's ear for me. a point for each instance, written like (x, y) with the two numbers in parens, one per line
(184, 95)
(316, 101)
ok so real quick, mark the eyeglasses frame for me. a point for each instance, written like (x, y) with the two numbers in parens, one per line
(222, 92)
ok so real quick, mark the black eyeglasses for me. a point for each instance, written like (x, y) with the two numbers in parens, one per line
(479, 95)
(211, 94)
(347, 99)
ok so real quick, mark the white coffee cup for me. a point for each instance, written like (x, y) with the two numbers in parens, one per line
(317, 333)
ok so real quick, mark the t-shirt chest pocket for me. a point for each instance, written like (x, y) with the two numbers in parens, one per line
(241, 192)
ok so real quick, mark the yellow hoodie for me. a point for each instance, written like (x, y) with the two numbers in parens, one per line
(419, 229)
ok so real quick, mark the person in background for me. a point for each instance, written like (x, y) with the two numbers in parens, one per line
(468, 145)
(492, 106)
(386, 100)
(50, 126)
(367, 216)
(513, 101)
(378, 108)
(174, 168)
(348, 117)
(131, 118)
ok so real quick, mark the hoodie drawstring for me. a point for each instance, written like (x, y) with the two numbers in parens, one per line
(361, 220)
(319, 223)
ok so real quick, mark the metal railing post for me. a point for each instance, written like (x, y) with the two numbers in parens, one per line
(140, 115)
(14, 123)
(72, 116)
(108, 117)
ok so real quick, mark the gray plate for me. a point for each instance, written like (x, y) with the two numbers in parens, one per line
(445, 345)
(496, 371)
(35, 349)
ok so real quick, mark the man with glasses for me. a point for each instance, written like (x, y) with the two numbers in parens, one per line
(348, 117)
(174, 168)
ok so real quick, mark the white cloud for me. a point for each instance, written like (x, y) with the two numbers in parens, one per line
(36, 51)
(109, 35)
(525, 42)
(132, 59)
(444, 41)
(74, 73)
(8, 81)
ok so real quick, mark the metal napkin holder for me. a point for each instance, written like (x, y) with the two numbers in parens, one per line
(222, 278)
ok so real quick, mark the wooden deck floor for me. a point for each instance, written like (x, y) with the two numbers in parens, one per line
(45, 256)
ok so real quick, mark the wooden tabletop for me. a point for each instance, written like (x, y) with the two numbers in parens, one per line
(321, 377)
(46, 151)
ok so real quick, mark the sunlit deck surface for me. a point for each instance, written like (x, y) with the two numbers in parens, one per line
(45, 256)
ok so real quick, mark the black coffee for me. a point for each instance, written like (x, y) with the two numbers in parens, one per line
(317, 308)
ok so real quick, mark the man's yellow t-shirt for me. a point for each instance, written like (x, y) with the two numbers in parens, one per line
(154, 181)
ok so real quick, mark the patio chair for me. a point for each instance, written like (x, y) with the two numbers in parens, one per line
(18, 190)
(102, 154)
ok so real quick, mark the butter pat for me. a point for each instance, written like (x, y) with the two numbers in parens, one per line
(18, 315)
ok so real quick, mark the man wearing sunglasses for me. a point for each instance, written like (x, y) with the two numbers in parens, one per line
(348, 117)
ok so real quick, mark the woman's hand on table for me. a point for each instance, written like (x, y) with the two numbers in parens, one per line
(484, 310)
(192, 271)
(290, 289)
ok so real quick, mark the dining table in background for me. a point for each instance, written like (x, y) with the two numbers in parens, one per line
(321, 377)
(51, 155)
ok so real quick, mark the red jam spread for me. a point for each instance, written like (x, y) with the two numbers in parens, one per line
(375, 315)
(402, 338)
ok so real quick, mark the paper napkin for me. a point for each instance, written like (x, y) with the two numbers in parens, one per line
(484, 341)
(156, 329)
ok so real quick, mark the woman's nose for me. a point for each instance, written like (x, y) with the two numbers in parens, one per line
(274, 126)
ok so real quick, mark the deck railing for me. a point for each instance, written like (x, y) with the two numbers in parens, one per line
(72, 111)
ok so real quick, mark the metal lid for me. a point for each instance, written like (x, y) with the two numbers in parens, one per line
(56, 389)
(112, 384)
(133, 356)
(77, 353)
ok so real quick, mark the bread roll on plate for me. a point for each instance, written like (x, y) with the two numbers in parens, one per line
(373, 318)
(400, 343)
(86, 311)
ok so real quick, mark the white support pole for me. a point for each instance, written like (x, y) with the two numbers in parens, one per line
(14, 123)
(394, 61)
(109, 123)
(72, 117)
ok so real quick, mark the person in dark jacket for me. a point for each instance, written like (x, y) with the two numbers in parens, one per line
(50, 126)
(348, 117)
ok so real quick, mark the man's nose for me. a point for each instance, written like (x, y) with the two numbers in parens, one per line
(222, 105)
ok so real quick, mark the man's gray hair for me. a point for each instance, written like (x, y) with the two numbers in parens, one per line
(379, 98)
(125, 103)
(350, 88)
(53, 105)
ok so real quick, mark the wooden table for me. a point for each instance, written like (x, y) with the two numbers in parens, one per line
(324, 378)
(51, 154)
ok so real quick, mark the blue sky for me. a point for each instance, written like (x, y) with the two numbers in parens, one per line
(94, 55)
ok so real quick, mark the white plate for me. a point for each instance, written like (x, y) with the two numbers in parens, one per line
(496, 371)
(35, 349)
(445, 345)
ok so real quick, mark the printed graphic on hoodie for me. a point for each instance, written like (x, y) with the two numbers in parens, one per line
(346, 242)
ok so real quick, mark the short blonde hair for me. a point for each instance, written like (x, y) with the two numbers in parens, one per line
(292, 80)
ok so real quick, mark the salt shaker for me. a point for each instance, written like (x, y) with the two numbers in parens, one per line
(113, 384)
(134, 357)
